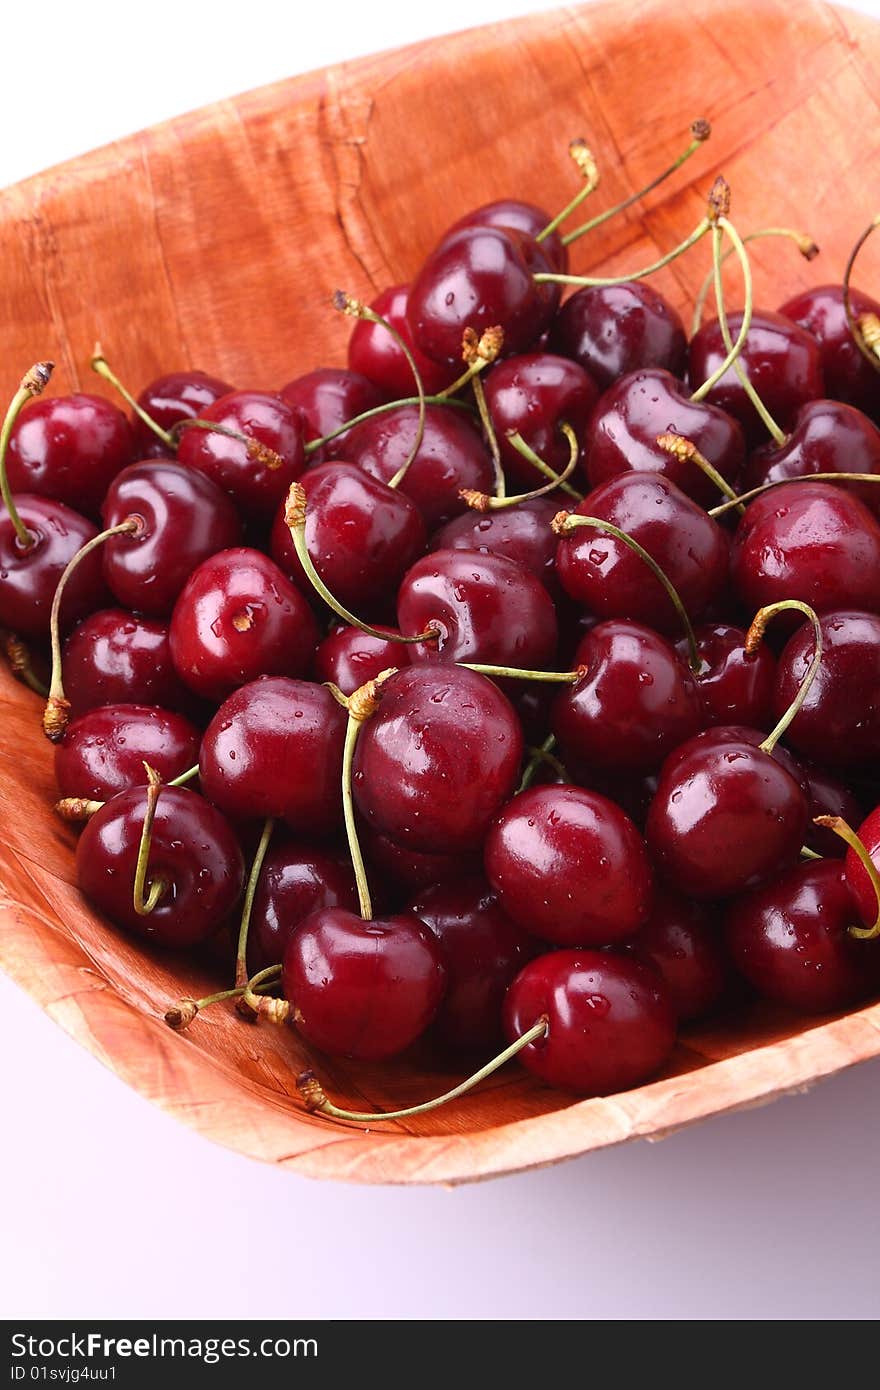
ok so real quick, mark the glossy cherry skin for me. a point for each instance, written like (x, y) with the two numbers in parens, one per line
(681, 942)
(726, 816)
(828, 796)
(614, 329)
(612, 581)
(521, 533)
(184, 519)
(326, 398)
(29, 578)
(450, 457)
(735, 688)
(114, 658)
(362, 989)
(569, 866)
(403, 870)
(484, 607)
(480, 277)
(640, 407)
(791, 940)
(375, 354)
(439, 758)
(848, 376)
(809, 541)
(522, 217)
(534, 394)
(256, 487)
(482, 950)
(103, 751)
(169, 399)
(782, 361)
(193, 850)
(635, 701)
(274, 748)
(611, 1024)
(296, 879)
(348, 657)
(828, 437)
(361, 535)
(839, 722)
(857, 880)
(239, 618)
(69, 448)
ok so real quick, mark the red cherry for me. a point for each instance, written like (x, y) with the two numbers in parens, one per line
(839, 722)
(29, 577)
(614, 329)
(103, 751)
(680, 941)
(69, 448)
(522, 217)
(376, 354)
(521, 533)
(327, 398)
(403, 868)
(857, 880)
(168, 400)
(296, 879)
(114, 658)
(258, 484)
(828, 796)
(348, 658)
(735, 688)
(534, 394)
(828, 437)
(848, 377)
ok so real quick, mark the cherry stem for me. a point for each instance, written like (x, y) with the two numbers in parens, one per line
(866, 328)
(802, 240)
(482, 502)
(241, 974)
(753, 638)
(253, 1005)
(442, 399)
(57, 711)
(362, 704)
(295, 518)
(182, 778)
(181, 1014)
(696, 235)
(700, 132)
(315, 1100)
(685, 450)
(720, 197)
(144, 906)
(517, 673)
(258, 451)
(491, 436)
(544, 754)
(585, 161)
(19, 659)
(744, 497)
(100, 365)
(564, 523)
(849, 836)
(32, 384)
(807, 853)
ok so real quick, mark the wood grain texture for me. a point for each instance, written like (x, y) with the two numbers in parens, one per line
(215, 241)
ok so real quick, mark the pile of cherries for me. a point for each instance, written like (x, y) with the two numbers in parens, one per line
(479, 623)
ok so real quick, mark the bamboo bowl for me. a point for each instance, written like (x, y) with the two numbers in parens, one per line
(215, 241)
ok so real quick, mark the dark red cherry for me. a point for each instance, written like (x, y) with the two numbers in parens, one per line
(848, 377)
(479, 278)
(735, 688)
(857, 880)
(681, 941)
(184, 519)
(791, 940)
(103, 751)
(326, 398)
(296, 879)
(239, 618)
(376, 354)
(839, 722)
(782, 360)
(635, 701)
(259, 484)
(614, 329)
(521, 533)
(633, 414)
(438, 760)
(361, 536)
(482, 950)
(522, 217)
(403, 870)
(612, 581)
(69, 448)
(828, 437)
(569, 866)
(534, 394)
(168, 400)
(29, 577)
(611, 1024)
(450, 457)
(726, 816)
(114, 658)
(484, 608)
(274, 748)
(362, 989)
(348, 657)
(828, 796)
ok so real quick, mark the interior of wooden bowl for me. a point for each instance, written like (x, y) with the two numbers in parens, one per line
(215, 241)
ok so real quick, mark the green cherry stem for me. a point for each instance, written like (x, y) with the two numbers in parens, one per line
(537, 756)
(687, 452)
(586, 164)
(80, 808)
(143, 906)
(517, 673)
(100, 365)
(32, 384)
(181, 1014)
(754, 492)
(19, 660)
(258, 451)
(866, 328)
(802, 240)
(482, 502)
(754, 637)
(241, 974)
(362, 704)
(182, 778)
(314, 444)
(528, 453)
(849, 836)
(696, 235)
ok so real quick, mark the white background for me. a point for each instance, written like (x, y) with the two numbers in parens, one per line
(113, 1210)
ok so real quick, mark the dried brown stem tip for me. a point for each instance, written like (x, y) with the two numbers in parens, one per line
(477, 501)
(56, 716)
(719, 199)
(311, 1090)
(559, 524)
(677, 445)
(700, 128)
(76, 808)
(586, 161)
(37, 379)
(483, 349)
(295, 507)
(261, 453)
(17, 654)
(364, 701)
(807, 247)
(345, 303)
(869, 327)
(181, 1014)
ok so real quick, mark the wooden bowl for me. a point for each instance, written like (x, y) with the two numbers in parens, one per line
(215, 241)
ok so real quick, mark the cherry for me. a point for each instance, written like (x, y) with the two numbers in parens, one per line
(839, 723)
(450, 457)
(735, 688)
(169, 399)
(643, 406)
(848, 376)
(521, 533)
(296, 879)
(194, 861)
(29, 575)
(522, 217)
(374, 353)
(479, 278)
(69, 448)
(858, 880)
(364, 989)
(828, 796)
(258, 475)
(401, 867)
(484, 608)
(610, 1021)
(615, 329)
(103, 751)
(114, 658)
(274, 748)
(828, 437)
(184, 516)
(569, 866)
(680, 942)
(532, 395)
(348, 657)
(238, 618)
(482, 950)
(781, 360)
(438, 759)
(326, 398)
(634, 702)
